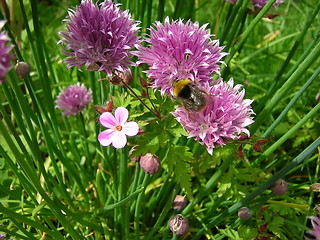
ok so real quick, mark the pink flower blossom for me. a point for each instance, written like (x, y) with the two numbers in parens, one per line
(73, 99)
(5, 58)
(225, 116)
(99, 37)
(177, 50)
(315, 232)
(118, 128)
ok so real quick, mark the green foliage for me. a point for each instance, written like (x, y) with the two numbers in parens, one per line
(57, 182)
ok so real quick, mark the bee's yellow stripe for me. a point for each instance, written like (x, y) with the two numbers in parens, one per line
(179, 85)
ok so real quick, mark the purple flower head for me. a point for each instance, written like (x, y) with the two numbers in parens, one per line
(118, 128)
(258, 4)
(73, 99)
(315, 232)
(176, 51)
(5, 58)
(232, 1)
(225, 116)
(99, 38)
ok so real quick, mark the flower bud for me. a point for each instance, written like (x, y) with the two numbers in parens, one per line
(178, 224)
(22, 69)
(150, 163)
(280, 187)
(315, 187)
(123, 79)
(244, 213)
(179, 203)
(135, 159)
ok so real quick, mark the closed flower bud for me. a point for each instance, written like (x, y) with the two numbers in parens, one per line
(22, 69)
(123, 79)
(179, 203)
(280, 187)
(315, 187)
(150, 163)
(135, 159)
(178, 224)
(244, 213)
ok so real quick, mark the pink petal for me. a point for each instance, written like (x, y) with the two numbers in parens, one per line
(119, 139)
(121, 114)
(106, 137)
(107, 120)
(130, 128)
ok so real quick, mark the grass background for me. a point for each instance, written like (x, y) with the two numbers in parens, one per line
(58, 183)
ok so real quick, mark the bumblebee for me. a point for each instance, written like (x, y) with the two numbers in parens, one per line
(192, 98)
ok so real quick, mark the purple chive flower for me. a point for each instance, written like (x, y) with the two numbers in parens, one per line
(226, 115)
(73, 99)
(99, 37)
(5, 58)
(118, 128)
(176, 50)
(315, 232)
(258, 4)
(232, 1)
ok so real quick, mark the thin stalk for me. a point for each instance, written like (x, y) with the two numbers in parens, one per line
(210, 184)
(292, 52)
(291, 103)
(278, 143)
(285, 88)
(138, 208)
(246, 33)
(247, 200)
(163, 214)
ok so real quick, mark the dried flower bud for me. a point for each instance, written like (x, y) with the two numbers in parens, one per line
(179, 203)
(244, 213)
(315, 187)
(123, 79)
(92, 67)
(135, 159)
(102, 109)
(280, 187)
(318, 96)
(178, 224)
(143, 82)
(150, 163)
(22, 69)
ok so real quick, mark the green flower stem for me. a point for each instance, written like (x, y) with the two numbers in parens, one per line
(232, 13)
(86, 146)
(236, 25)
(285, 88)
(210, 185)
(24, 181)
(298, 41)
(22, 219)
(52, 123)
(161, 10)
(139, 203)
(247, 32)
(163, 214)
(247, 200)
(291, 103)
(123, 183)
(276, 145)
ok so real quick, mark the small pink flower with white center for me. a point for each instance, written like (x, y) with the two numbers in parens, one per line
(118, 128)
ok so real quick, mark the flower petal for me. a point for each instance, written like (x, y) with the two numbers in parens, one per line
(121, 114)
(108, 120)
(130, 128)
(106, 137)
(119, 139)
